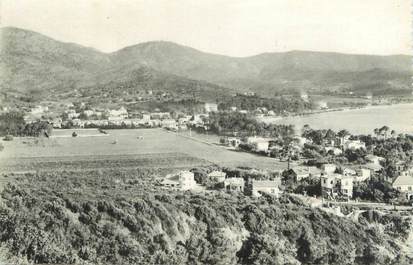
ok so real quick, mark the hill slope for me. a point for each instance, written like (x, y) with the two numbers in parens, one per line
(33, 62)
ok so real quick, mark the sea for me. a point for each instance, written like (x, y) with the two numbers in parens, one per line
(398, 117)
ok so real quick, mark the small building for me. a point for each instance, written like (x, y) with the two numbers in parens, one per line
(354, 145)
(57, 123)
(336, 151)
(217, 176)
(234, 184)
(303, 172)
(404, 184)
(183, 180)
(88, 113)
(400, 166)
(146, 117)
(261, 144)
(362, 174)
(346, 186)
(336, 184)
(234, 141)
(329, 182)
(266, 186)
(349, 172)
(121, 112)
(322, 105)
(329, 168)
(169, 123)
(374, 159)
(271, 113)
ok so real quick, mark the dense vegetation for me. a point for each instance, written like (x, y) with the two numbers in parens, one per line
(122, 217)
(244, 124)
(13, 123)
(279, 105)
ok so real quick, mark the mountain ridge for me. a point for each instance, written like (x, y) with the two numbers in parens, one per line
(31, 60)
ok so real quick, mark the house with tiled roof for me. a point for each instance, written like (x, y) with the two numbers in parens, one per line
(404, 183)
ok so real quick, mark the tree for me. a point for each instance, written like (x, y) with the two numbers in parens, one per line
(343, 133)
(376, 132)
(384, 130)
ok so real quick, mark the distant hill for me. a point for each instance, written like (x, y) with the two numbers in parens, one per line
(34, 62)
(271, 71)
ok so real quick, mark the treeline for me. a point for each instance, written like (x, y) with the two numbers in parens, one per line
(12, 123)
(279, 105)
(223, 123)
(100, 218)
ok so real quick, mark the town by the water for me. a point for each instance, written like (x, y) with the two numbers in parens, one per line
(120, 148)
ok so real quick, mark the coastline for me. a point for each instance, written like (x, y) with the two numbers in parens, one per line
(271, 119)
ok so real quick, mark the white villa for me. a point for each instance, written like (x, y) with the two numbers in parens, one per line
(183, 180)
(265, 186)
(217, 176)
(404, 183)
(234, 184)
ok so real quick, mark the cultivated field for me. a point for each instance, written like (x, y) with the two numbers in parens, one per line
(124, 143)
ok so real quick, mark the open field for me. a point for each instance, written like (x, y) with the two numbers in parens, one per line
(125, 142)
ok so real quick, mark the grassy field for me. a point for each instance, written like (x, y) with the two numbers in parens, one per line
(118, 143)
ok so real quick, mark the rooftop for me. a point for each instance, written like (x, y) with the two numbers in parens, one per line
(403, 180)
(265, 183)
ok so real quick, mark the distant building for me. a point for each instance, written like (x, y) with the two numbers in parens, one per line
(211, 107)
(266, 186)
(183, 180)
(322, 105)
(354, 145)
(362, 174)
(169, 123)
(404, 183)
(121, 112)
(337, 184)
(346, 186)
(303, 172)
(349, 172)
(374, 159)
(234, 141)
(217, 176)
(146, 117)
(234, 184)
(57, 123)
(329, 168)
(73, 115)
(160, 115)
(260, 144)
(336, 151)
(304, 96)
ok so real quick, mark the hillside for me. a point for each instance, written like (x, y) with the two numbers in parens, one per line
(32, 63)
(269, 72)
(121, 217)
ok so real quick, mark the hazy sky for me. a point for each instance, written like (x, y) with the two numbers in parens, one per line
(231, 27)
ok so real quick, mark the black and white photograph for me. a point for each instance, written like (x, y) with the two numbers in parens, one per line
(203, 132)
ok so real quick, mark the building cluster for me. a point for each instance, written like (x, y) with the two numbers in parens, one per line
(333, 182)
(93, 117)
(185, 180)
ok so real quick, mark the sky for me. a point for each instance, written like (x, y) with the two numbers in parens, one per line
(230, 27)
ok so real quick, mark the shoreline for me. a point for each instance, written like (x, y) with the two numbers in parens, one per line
(271, 119)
